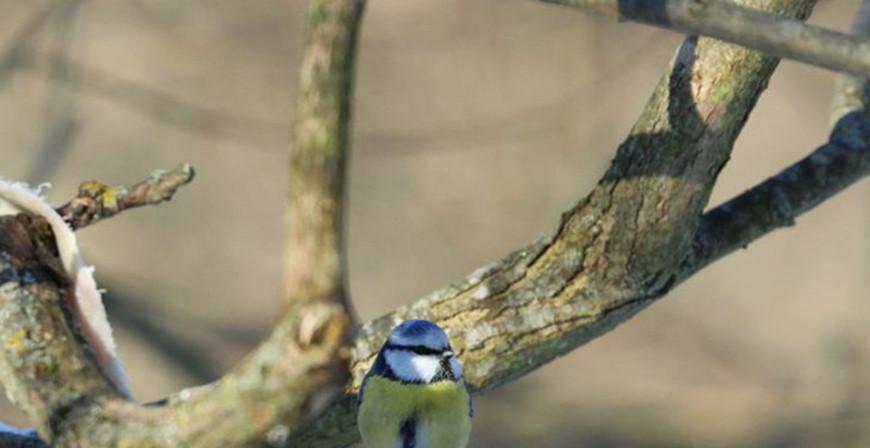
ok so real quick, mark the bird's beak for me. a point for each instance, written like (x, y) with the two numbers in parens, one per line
(446, 354)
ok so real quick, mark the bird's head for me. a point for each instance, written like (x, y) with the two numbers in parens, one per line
(418, 351)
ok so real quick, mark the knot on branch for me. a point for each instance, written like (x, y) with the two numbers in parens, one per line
(323, 324)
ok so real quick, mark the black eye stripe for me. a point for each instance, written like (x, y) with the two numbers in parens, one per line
(418, 349)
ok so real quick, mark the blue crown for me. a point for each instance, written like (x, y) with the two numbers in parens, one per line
(419, 332)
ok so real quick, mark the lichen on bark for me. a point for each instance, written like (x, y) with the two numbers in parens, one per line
(625, 244)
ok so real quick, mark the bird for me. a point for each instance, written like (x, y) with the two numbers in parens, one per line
(414, 395)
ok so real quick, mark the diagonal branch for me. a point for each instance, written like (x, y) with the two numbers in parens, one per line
(776, 202)
(764, 31)
(96, 201)
(619, 249)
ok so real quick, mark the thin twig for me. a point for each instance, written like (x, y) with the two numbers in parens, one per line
(97, 201)
(769, 33)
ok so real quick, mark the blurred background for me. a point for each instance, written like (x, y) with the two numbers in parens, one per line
(476, 123)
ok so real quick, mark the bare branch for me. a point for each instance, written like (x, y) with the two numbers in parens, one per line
(619, 249)
(304, 365)
(295, 374)
(764, 31)
(775, 203)
(97, 201)
(852, 93)
(44, 368)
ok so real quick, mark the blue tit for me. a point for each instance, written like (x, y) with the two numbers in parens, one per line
(414, 395)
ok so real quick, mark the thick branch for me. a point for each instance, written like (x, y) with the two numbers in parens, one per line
(295, 374)
(304, 365)
(614, 253)
(96, 201)
(775, 203)
(42, 362)
(620, 248)
(767, 32)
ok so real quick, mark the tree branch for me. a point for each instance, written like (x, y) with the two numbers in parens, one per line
(764, 31)
(292, 376)
(44, 368)
(852, 93)
(775, 203)
(96, 201)
(304, 365)
(619, 249)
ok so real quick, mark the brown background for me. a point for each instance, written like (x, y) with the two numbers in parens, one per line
(477, 122)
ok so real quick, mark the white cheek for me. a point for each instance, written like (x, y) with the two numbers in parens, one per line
(456, 368)
(412, 367)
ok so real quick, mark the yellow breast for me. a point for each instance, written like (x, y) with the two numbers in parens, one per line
(441, 409)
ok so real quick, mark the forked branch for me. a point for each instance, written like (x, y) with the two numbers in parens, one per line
(292, 376)
(629, 241)
(619, 249)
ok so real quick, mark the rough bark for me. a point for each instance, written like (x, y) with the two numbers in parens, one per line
(292, 376)
(45, 368)
(735, 22)
(630, 240)
(620, 248)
